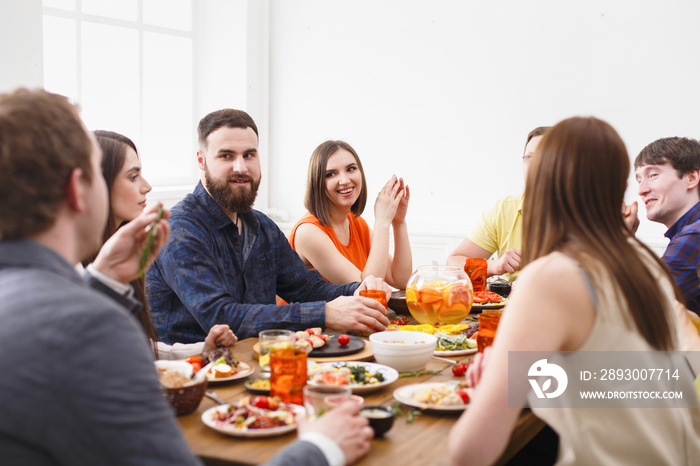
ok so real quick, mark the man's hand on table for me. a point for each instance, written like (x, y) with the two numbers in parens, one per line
(509, 262)
(342, 425)
(219, 335)
(359, 313)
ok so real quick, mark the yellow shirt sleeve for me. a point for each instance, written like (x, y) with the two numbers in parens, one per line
(500, 228)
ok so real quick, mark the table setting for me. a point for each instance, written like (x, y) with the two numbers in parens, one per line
(412, 391)
(413, 400)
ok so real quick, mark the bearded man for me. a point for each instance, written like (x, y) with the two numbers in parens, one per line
(225, 262)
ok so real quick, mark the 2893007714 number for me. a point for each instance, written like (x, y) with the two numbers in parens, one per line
(638, 374)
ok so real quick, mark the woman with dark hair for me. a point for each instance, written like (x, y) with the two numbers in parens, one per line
(127, 190)
(334, 239)
(588, 285)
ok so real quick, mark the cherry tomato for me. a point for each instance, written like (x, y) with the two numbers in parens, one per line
(464, 395)
(459, 369)
(195, 362)
(261, 402)
(487, 297)
(343, 340)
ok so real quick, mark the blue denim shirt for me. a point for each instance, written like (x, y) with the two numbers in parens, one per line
(683, 254)
(207, 274)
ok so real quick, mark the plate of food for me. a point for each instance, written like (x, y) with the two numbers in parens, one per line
(462, 352)
(484, 300)
(359, 376)
(253, 416)
(434, 396)
(454, 345)
(223, 372)
(323, 344)
(258, 386)
(338, 344)
(225, 367)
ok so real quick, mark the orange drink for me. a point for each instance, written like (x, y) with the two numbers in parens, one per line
(270, 340)
(288, 374)
(377, 295)
(439, 293)
(475, 267)
(488, 323)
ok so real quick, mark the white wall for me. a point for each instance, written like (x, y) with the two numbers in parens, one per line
(441, 92)
(444, 92)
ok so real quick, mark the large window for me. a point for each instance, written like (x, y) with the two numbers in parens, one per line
(129, 64)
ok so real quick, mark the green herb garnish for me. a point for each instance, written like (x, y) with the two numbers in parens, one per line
(150, 239)
(412, 413)
(418, 373)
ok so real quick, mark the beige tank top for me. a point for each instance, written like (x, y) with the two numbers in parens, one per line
(632, 436)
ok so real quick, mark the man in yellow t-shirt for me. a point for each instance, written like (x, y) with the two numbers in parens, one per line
(500, 230)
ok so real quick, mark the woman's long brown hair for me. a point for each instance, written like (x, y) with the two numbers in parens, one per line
(114, 147)
(573, 200)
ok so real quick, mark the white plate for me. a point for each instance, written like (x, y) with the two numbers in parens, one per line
(460, 352)
(244, 370)
(230, 430)
(405, 396)
(390, 374)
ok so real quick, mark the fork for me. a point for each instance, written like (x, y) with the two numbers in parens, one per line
(215, 397)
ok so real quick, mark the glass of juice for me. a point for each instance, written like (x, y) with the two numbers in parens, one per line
(270, 340)
(488, 323)
(377, 295)
(321, 398)
(476, 267)
(439, 293)
(288, 375)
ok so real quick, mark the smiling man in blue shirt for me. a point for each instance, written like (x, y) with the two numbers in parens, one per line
(668, 172)
(225, 262)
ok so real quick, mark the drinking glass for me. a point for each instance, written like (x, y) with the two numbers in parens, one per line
(321, 398)
(273, 339)
(377, 295)
(488, 323)
(288, 374)
(476, 269)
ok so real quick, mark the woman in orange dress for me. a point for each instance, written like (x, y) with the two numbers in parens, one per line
(334, 239)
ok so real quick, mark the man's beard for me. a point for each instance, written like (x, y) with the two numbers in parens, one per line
(232, 198)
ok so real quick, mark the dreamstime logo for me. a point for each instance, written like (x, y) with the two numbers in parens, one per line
(542, 369)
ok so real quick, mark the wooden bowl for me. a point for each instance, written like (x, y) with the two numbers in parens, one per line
(397, 303)
(185, 400)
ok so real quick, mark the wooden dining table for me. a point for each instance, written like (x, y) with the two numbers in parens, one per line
(420, 441)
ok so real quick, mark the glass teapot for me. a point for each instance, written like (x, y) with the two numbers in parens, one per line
(439, 293)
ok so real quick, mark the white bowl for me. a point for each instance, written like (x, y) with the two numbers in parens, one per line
(404, 351)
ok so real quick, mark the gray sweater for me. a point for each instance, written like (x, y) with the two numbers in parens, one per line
(77, 383)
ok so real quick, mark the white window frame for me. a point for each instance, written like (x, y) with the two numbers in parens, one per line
(176, 187)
